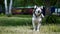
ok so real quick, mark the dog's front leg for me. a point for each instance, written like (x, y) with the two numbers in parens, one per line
(42, 15)
(33, 23)
(38, 26)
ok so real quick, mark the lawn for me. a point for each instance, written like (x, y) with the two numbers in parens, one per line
(23, 25)
(45, 29)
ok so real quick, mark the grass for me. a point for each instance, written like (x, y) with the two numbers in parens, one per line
(14, 21)
(23, 25)
(20, 20)
(45, 29)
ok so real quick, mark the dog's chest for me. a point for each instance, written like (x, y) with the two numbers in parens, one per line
(37, 19)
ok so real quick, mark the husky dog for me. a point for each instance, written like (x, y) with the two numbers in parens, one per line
(37, 18)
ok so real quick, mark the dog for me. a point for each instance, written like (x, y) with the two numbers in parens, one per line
(37, 18)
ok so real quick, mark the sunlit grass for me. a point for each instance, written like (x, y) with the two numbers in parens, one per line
(47, 29)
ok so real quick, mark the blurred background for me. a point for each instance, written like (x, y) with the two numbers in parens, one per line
(16, 16)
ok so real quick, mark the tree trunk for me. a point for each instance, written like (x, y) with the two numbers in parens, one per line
(6, 7)
(10, 7)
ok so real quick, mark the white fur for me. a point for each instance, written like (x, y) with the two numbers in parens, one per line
(36, 21)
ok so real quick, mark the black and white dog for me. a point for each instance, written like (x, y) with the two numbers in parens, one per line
(37, 17)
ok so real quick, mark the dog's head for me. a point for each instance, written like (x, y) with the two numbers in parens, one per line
(37, 10)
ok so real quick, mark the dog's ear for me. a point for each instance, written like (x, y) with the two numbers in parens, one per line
(35, 6)
(41, 7)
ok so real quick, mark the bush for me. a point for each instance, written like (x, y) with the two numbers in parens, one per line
(52, 19)
(9, 15)
(23, 16)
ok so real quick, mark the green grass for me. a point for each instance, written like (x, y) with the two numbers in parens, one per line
(14, 21)
(21, 24)
(45, 29)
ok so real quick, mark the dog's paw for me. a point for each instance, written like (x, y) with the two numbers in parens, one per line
(37, 30)
(33, 29)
